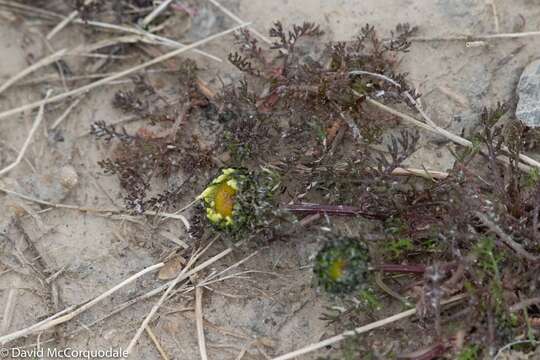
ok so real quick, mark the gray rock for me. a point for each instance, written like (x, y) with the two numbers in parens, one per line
(528, 91)
(51, 186)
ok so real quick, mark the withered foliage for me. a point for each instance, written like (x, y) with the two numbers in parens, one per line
(144, 101)
(300, 111)
(159, 150)
(298, 93)
(475, 232)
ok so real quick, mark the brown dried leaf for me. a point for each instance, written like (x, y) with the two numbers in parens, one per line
(332, 130)
(172, 268)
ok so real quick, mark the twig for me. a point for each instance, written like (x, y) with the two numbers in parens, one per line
(432, 352)
(154, 339)
(182, 218)
(505, 238)
(66, 113)
(380, 282)
(524, 304)
(28, 140)
(495, 15)
(375, 75)
(437, 130)
(401, 268)
(47, 320)
(155, 13)
(58, 206)
(62, 24)
(181, 276)
(245, 349)
(54, 321)
(420, 110)
(501, 36)
(360, 330)
(9, 307)
(174, 239)
(199, 322)
(66, 21)
(151, 38)
(398, 85)
(184, 289)
(410, 119)
(36, 10)
(65, 52)
(118, 75)
(41, 63)
(175, 216)
(54, 77)
(240, 21)
(432, 174)
(429, 125)
(234, 266)
(124, 39)
(339, 210)
(507, 346)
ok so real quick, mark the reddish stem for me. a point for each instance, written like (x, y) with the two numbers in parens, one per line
(431, 353)
(413, 268)
(338, 210)
(398, 268)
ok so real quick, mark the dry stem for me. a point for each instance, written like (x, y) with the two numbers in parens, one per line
(60, 319)
(110, 211)
(66, 113)
(199, 322)
(505, 238)
(62, 24)
(9, 307)
(181, 276)
(360, 330)
(118, 75)
(37, 122)
(43, 62)
(146, 36)
(524, 304)
(472, 38)
(184, 290)
(438, 130)
(154, 339)
(495, 14)
(431, 174)
(155, 13)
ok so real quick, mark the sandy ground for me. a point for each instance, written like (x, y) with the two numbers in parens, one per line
(277, 311)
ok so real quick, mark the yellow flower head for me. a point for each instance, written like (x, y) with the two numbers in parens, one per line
(219, 197)
(337, 269)
(342, 264)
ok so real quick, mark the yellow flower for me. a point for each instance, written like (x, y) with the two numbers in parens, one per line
(219, 197)
(337, 269)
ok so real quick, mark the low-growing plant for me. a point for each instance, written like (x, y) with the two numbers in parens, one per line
(341, 266)
(302, 139)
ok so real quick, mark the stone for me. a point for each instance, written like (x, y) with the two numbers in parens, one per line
(53, 186)
(528, 91)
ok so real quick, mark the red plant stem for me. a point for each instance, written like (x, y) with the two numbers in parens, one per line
(412, 268)
(339, 210)
(398, 268)
(432, 353)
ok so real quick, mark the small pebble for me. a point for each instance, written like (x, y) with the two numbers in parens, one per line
(528, 91)
(53, 186)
